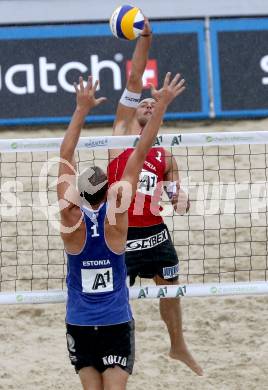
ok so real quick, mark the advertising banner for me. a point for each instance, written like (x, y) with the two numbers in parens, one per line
(38, 66)
(240, 67)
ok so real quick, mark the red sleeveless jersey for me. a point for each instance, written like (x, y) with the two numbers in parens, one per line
(144, 209)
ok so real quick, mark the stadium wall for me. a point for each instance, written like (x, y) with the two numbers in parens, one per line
(225, 63)
(54, 11)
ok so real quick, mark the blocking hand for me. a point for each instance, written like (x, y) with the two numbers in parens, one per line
(85, 95)
(173, 88)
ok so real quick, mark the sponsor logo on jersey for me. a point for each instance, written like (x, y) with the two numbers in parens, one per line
(147, 243)
(95, 280)
(90, 263)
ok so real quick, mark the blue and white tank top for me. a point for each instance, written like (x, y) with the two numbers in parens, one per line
(96, 279)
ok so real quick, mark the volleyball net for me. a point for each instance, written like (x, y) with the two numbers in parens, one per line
(221, 242)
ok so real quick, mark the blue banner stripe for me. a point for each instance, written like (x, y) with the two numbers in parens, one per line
(85, 30)
(93, 119)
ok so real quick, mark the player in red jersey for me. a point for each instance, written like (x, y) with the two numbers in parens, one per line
(150, 252)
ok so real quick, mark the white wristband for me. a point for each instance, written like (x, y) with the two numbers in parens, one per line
(171, 189)
(130, 99)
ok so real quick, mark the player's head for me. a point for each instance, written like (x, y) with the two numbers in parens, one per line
(144, 110)
(92, 185)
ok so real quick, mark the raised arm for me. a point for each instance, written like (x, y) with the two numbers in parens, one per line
(67, 197)
(169, 91)
(127, 105)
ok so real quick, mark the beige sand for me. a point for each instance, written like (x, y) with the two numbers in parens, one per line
(227, 336)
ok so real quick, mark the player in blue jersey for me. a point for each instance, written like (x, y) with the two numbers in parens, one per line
(100, 327)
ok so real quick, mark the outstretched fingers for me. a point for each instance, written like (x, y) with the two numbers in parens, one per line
(180, 87)
(76, 88)
(153, 90)
(95, 86)
(81, 84)
(89, 83)
(100, 100)
(181, 83)
(86, 92)
(175, 80)
(167, 79)
(177, 85)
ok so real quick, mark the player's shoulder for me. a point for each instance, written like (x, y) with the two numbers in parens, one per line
(121, 153)
(161, 149)
(167, 153)
(118, 156)
(164, 152)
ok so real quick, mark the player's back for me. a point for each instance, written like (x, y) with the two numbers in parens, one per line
(96, 278)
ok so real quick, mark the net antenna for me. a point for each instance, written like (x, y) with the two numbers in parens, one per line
(221, 242)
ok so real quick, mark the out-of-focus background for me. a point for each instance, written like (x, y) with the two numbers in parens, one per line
(219, 47)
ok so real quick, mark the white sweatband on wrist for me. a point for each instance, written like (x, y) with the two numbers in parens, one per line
(171, 189)
(130, 99)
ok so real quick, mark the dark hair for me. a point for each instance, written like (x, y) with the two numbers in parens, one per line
(97, 197)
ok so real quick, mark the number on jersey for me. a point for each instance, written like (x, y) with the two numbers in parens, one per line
(94, 229)
(158, 157)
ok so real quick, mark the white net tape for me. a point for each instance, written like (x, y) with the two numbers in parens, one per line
(117, 142)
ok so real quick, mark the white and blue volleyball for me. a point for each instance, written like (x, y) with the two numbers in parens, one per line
(127, 22)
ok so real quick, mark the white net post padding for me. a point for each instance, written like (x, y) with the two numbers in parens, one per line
(221, 243)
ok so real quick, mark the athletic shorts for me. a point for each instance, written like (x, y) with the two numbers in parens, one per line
(102, 347)
(150, 252)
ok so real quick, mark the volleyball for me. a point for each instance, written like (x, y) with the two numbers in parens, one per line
(127, 22)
